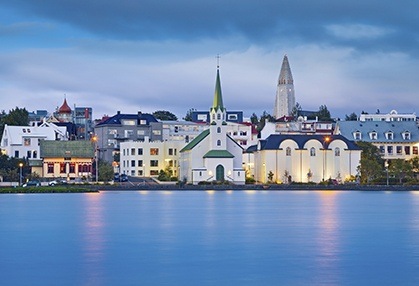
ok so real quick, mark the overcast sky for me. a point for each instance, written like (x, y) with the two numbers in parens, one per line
(148, 55)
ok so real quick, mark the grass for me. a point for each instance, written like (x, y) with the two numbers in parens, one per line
(48, 189)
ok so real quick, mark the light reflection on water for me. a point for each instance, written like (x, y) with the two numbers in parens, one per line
(210, 238)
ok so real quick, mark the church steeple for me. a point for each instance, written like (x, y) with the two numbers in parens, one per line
(285, 94)
(218, 97)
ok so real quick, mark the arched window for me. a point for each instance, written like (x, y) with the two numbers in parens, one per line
(312, 152)
(337, 152)
(218, 129)
(218, 142)
(288, 151)
(218, 116)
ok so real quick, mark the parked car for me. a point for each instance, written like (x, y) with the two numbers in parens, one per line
(57, 182)
(120, 177)
(32, 183)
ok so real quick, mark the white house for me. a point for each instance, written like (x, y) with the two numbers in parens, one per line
(304, 158)
(23, 141)
(213, 155)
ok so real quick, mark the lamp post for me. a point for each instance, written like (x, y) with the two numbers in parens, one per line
(94, 139)
(386, 166)
(326, 141)
(20, 173)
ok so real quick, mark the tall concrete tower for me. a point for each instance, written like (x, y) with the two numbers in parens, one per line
(285, 95)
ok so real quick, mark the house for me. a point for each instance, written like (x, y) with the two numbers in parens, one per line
(213, 155)
(285, 158)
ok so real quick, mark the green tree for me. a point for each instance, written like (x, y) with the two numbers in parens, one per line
(372, 165)
(17, 116)
(254, 119)
(265, 117)
(105, 171)
(188, 116)
(164, 115)
(351, 117)
(323, 113)
(400, 169)
(9, 168)
(296, 110)
(270, 176)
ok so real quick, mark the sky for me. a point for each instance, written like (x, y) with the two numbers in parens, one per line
(148, 55)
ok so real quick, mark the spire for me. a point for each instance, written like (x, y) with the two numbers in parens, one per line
(218, 98)
(64, 108)
(285, 76)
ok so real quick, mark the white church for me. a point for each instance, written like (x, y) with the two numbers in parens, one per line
(213, 155)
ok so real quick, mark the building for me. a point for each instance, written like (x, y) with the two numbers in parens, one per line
(285, 94)
(145, 158)
(285, 158)
(24, 141)
(184, 131)
(67, 159)
(213, 155)
(84, 122)
(125, 127)
(64, 113)
(204, 116)
(388, 117)
(301, 126)
(395, 139)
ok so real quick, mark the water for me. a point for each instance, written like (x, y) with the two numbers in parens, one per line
(210, 238)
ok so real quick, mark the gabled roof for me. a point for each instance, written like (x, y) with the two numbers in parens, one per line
(196, 140)
(348, 128)
(218, 154)
(119, 117)
(274, 141)
(66, 149)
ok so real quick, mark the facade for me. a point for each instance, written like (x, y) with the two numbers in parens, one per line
(395, 139)
(301, 126)
(388, 117)
(84, 122)
(24, 141)
(204, 116)
(285, 94)
(213, 155)
(122, 128)
(184, 131)
(67, 159)
(146, 158)
(304, 158)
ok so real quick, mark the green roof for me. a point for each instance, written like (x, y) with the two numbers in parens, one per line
(218, 154)
(66, 149)
(196, 140)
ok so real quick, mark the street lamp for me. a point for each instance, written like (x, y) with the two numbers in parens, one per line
(94, 139)
(20, 173)
(386, 166)
(326, 141)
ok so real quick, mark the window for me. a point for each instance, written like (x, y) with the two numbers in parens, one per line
(132, 151)
(382, 149)
(406, 135)
(389, 135)
(72, 168)
(218, 129)
(390, 149)
(154, 163)
(140, 163)
(132, 163)
(170, 152)
(35, 154)
(123, 152)
(232, 117)
(218, 116)
(407, 150)
(312, 152)
(140, 151)
(156, 132)
(415, 150)
(143, 122)
(62, 168)
(154, 151)
(288, 151)
(154, 173)
(140, 132)
(50, 168)
(218, 142)
(337, 152)
(132, 172)
(28, 154)
(140, 172)
(357, 135)
(27, 141)
(129, 133)
(373, 135)
(399, 150)
(16, 153)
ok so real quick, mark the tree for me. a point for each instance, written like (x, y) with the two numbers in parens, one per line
(400, 169)
(270, 176)
(296, 110)
(351, 117)
(254, 119)
(17, 116)
(323, 114)
(164, 115)
(188, 116)
(9, 168)
(371, 165)
(105, 171)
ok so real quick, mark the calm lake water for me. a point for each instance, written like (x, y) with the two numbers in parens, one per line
(210, 238)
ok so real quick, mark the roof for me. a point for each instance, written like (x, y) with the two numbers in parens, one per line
(119, 117)
(196, 140)
(348, 128)
(218, 97)
(274, 141)
(65, 149)
(64, 108)
(218, 154)
(285, 75)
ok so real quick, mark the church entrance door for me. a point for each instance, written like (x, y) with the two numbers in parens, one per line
(219, 173)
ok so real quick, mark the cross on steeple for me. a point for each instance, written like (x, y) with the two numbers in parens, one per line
(218, 60)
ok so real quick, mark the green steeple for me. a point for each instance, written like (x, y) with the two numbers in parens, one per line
(218, 97)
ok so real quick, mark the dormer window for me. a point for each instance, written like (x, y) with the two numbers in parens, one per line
(373, 135)
(390, 135)
(357, 135)
(406, 135)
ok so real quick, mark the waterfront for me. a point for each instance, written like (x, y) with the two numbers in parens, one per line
(210, 238)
